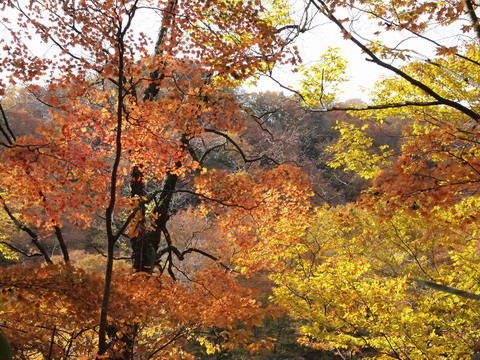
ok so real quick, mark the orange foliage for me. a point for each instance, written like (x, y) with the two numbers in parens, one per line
(59, 304)
(115, 106)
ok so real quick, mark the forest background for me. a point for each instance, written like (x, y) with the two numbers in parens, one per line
(152, 208)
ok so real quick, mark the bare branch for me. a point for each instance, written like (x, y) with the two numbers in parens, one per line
(447, 289)
(208, 151)
(210, 256)
(239, 149)
(285, 87)
(426, 38)
(20, 251)
(179, 334)
(221, 202)
(181, 255)
(52, 342)
(100, 252)
(379, 107)
(321, 6)
(258, 118)
(26, 229)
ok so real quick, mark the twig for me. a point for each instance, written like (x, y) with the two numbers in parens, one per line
(379, 107)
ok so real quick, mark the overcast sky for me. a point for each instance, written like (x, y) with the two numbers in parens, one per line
(362, 74)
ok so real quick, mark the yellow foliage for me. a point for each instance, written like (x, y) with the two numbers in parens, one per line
(320, 82)
(6, 230)
(354, 151)
(352, 282)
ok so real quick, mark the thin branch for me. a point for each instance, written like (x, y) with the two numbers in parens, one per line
(179, 334)
(20, 251)
(380, 106)
(181, 255)
(100, 252)
(321, 6)
(206, 254)
(221, 202)
(26, 229)
(260, 123)
(286, 87)
(208, 151)
(52, 342)
(410, 251)
(291, 27)
(239, 149)
(388, 21)
(447, 289)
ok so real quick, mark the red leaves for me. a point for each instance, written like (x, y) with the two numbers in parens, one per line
(444, 50)
(96, 73)
(38, 299)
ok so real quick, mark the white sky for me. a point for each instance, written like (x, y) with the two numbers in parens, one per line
(362, 74)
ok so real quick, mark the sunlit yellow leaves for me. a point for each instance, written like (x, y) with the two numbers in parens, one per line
(210, 348)
(351, 280)
(354, 151)
(278, 12)
(355, 280)
(319, 85)
(7, 229)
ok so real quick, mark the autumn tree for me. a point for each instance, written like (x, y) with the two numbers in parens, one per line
(432, 90)
(398, 288)
(122, 119)
(393, 275)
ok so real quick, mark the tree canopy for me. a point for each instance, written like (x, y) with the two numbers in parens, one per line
(149, 205)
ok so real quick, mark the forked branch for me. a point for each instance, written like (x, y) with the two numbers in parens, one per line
(26, 229)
